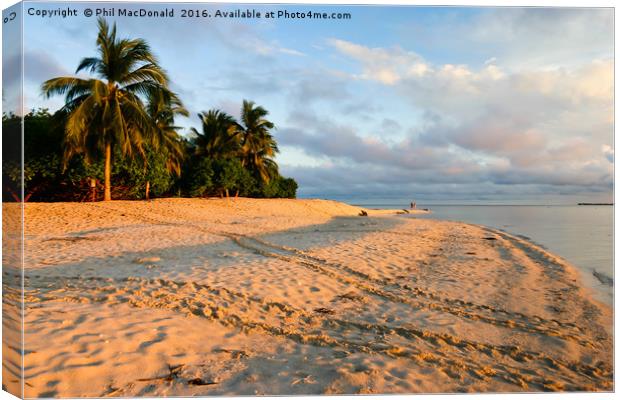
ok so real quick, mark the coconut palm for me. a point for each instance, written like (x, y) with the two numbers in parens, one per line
(220, 137)
(258, 145)
(163, 106)
(109, 111)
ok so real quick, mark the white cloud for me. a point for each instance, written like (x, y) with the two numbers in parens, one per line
(263, 47)
(608, 151)
(538, 125)
(387, 66)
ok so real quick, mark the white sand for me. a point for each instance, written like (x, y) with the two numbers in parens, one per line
(231, 297)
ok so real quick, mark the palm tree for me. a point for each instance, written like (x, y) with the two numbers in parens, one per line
(109, 111)
(258, 145)
(162, 108)
(220, 137)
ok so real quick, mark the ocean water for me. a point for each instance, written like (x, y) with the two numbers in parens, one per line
(582, 235)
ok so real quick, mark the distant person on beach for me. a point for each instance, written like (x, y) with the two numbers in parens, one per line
(413, 205)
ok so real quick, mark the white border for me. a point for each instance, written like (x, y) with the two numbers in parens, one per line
(483, 3)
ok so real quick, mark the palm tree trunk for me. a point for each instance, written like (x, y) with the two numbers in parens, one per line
(14, 195)
(227, 194)
(148, 189)
(93, 189)
(107, 192)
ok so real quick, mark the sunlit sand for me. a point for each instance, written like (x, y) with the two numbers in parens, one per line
(246, 296)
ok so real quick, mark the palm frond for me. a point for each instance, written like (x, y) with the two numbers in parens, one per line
(146, 72)
(92, 64)
(62, 85)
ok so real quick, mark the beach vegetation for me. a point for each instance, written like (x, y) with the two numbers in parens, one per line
(258, 147)
(109, 112)
(231, 157)
(220, 137)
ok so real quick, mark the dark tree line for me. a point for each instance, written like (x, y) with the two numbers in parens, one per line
(48, 177)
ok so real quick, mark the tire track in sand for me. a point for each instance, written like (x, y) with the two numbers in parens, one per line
(425, 299)
(444, 352)
(599, 373)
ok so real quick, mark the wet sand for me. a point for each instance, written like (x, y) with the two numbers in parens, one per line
(241, 296)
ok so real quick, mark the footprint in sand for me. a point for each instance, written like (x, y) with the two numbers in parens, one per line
(146, 260)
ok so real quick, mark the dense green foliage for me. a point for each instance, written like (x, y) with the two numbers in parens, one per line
(48, 179)
(231, 157)
(115, 137)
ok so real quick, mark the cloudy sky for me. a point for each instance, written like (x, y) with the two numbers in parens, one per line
(444, 104)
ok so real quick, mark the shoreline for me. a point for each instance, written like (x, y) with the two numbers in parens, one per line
(580, 241)
(297, 297)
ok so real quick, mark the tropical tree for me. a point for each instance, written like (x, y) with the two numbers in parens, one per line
(258, 146)
(162, 108)
(109, 111)
(41, 149)
(220, 137)
(230, 175)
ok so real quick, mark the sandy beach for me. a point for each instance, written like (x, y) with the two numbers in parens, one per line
(273, 297)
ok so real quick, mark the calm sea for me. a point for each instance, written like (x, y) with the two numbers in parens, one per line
(583, 235)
